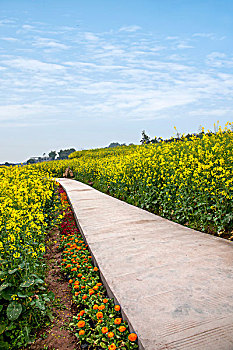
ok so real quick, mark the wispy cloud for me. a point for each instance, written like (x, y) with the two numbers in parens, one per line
(114, 74)
(204, 35)
(219, 59)
(9, 39)
(49, 43)
(130, 29)
(32, 65)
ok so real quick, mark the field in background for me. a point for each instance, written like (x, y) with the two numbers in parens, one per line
(188, 180)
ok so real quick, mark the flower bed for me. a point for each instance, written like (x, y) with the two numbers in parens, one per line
(99, 322)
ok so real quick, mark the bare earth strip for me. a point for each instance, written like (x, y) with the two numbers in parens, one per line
(174, 284)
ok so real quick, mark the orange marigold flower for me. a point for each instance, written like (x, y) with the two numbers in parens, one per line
(99, 315)
(122, 328)
(105, 301)
(104, 330)
(95, 268)
(76, 286)
(70, 281)
(117, 307)
(76, 293)
(82, 312)
(74, 269)
(79, 275)
(110, 334)
(95, 307)
(82, 332)
(101, 307)
(112, 347)
(83, 287)
(69, 265)
(83, 278)
(84, 297)
(81, 324)
(96, 288)
(117, 321)
(132, 336)
(91, 291)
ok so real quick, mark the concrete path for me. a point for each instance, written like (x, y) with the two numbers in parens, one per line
(174, 284)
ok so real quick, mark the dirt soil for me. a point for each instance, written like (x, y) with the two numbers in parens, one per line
(57, 336)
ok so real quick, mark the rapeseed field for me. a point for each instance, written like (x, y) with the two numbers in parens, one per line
(29, 208)
(187, 180)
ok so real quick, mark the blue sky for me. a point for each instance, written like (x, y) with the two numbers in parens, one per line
(86, 73)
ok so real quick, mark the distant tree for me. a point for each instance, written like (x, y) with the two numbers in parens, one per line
(116, 144)
(52, 154)
(31, 161)
(145, 138)
(63, 154)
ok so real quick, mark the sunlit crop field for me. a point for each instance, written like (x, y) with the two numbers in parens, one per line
(187, 181)
(27, 211)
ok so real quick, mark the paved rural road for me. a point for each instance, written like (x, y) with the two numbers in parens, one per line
(174, 284)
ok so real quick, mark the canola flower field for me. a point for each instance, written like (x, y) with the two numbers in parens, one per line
(188, 181)
(29, 207)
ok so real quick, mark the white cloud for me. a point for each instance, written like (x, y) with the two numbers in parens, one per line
(219, 59)
(107, 74)
(204, 35)
(9, 39)
(172, 38)
(28, 27)
(91, 36)
(49, 43)
(183, 45)
(4, 22)
(33, 65)
(130, 29)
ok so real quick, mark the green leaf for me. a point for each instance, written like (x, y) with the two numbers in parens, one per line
(20, 295)
(2, 274)
(41, 288)
(12, 271)
(7, 293)
(103, 345)
(51, 295)
(1, 307)
(13, 310)
(50, 316)
(2, 328)
(40, 305)
(4, 285)
(4, 345)
(28, 283)
(38, 281)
